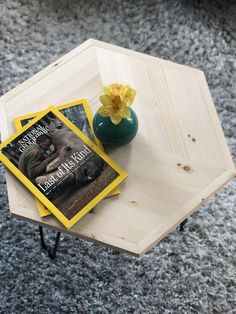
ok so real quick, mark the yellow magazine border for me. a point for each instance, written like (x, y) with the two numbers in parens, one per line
(68, 223)
(83, 102)
(43, 212)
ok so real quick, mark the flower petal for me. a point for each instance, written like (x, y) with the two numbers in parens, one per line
(115, 119)
(125, 112)
(106, 101)
(128, 95)
(113, 90)
(104, 111)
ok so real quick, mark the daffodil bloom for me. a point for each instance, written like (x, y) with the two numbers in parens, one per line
(116, 101)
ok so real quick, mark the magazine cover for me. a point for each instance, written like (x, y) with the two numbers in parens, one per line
(78, 112)
(62, 167)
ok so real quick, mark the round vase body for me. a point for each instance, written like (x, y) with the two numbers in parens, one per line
(112, 134)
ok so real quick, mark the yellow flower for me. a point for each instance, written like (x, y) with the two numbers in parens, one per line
(116, 101)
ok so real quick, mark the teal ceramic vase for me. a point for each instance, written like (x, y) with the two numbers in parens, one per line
(111, 134)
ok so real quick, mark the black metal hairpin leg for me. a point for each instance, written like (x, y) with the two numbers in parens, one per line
(51, 251)
(183, 223)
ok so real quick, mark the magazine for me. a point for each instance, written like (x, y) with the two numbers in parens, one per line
(78, 112)
(62, 167)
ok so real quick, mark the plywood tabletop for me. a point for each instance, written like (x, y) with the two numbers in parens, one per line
(178, 159)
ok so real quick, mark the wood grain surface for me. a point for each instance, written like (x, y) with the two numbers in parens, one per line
(177, 160)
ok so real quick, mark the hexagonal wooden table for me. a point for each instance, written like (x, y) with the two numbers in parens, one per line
(177, 160)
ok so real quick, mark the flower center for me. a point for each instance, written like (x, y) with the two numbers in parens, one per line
(117, 104)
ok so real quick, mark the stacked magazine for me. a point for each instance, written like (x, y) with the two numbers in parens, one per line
(56, 156)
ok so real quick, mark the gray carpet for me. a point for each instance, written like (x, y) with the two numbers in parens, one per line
(190, 272)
